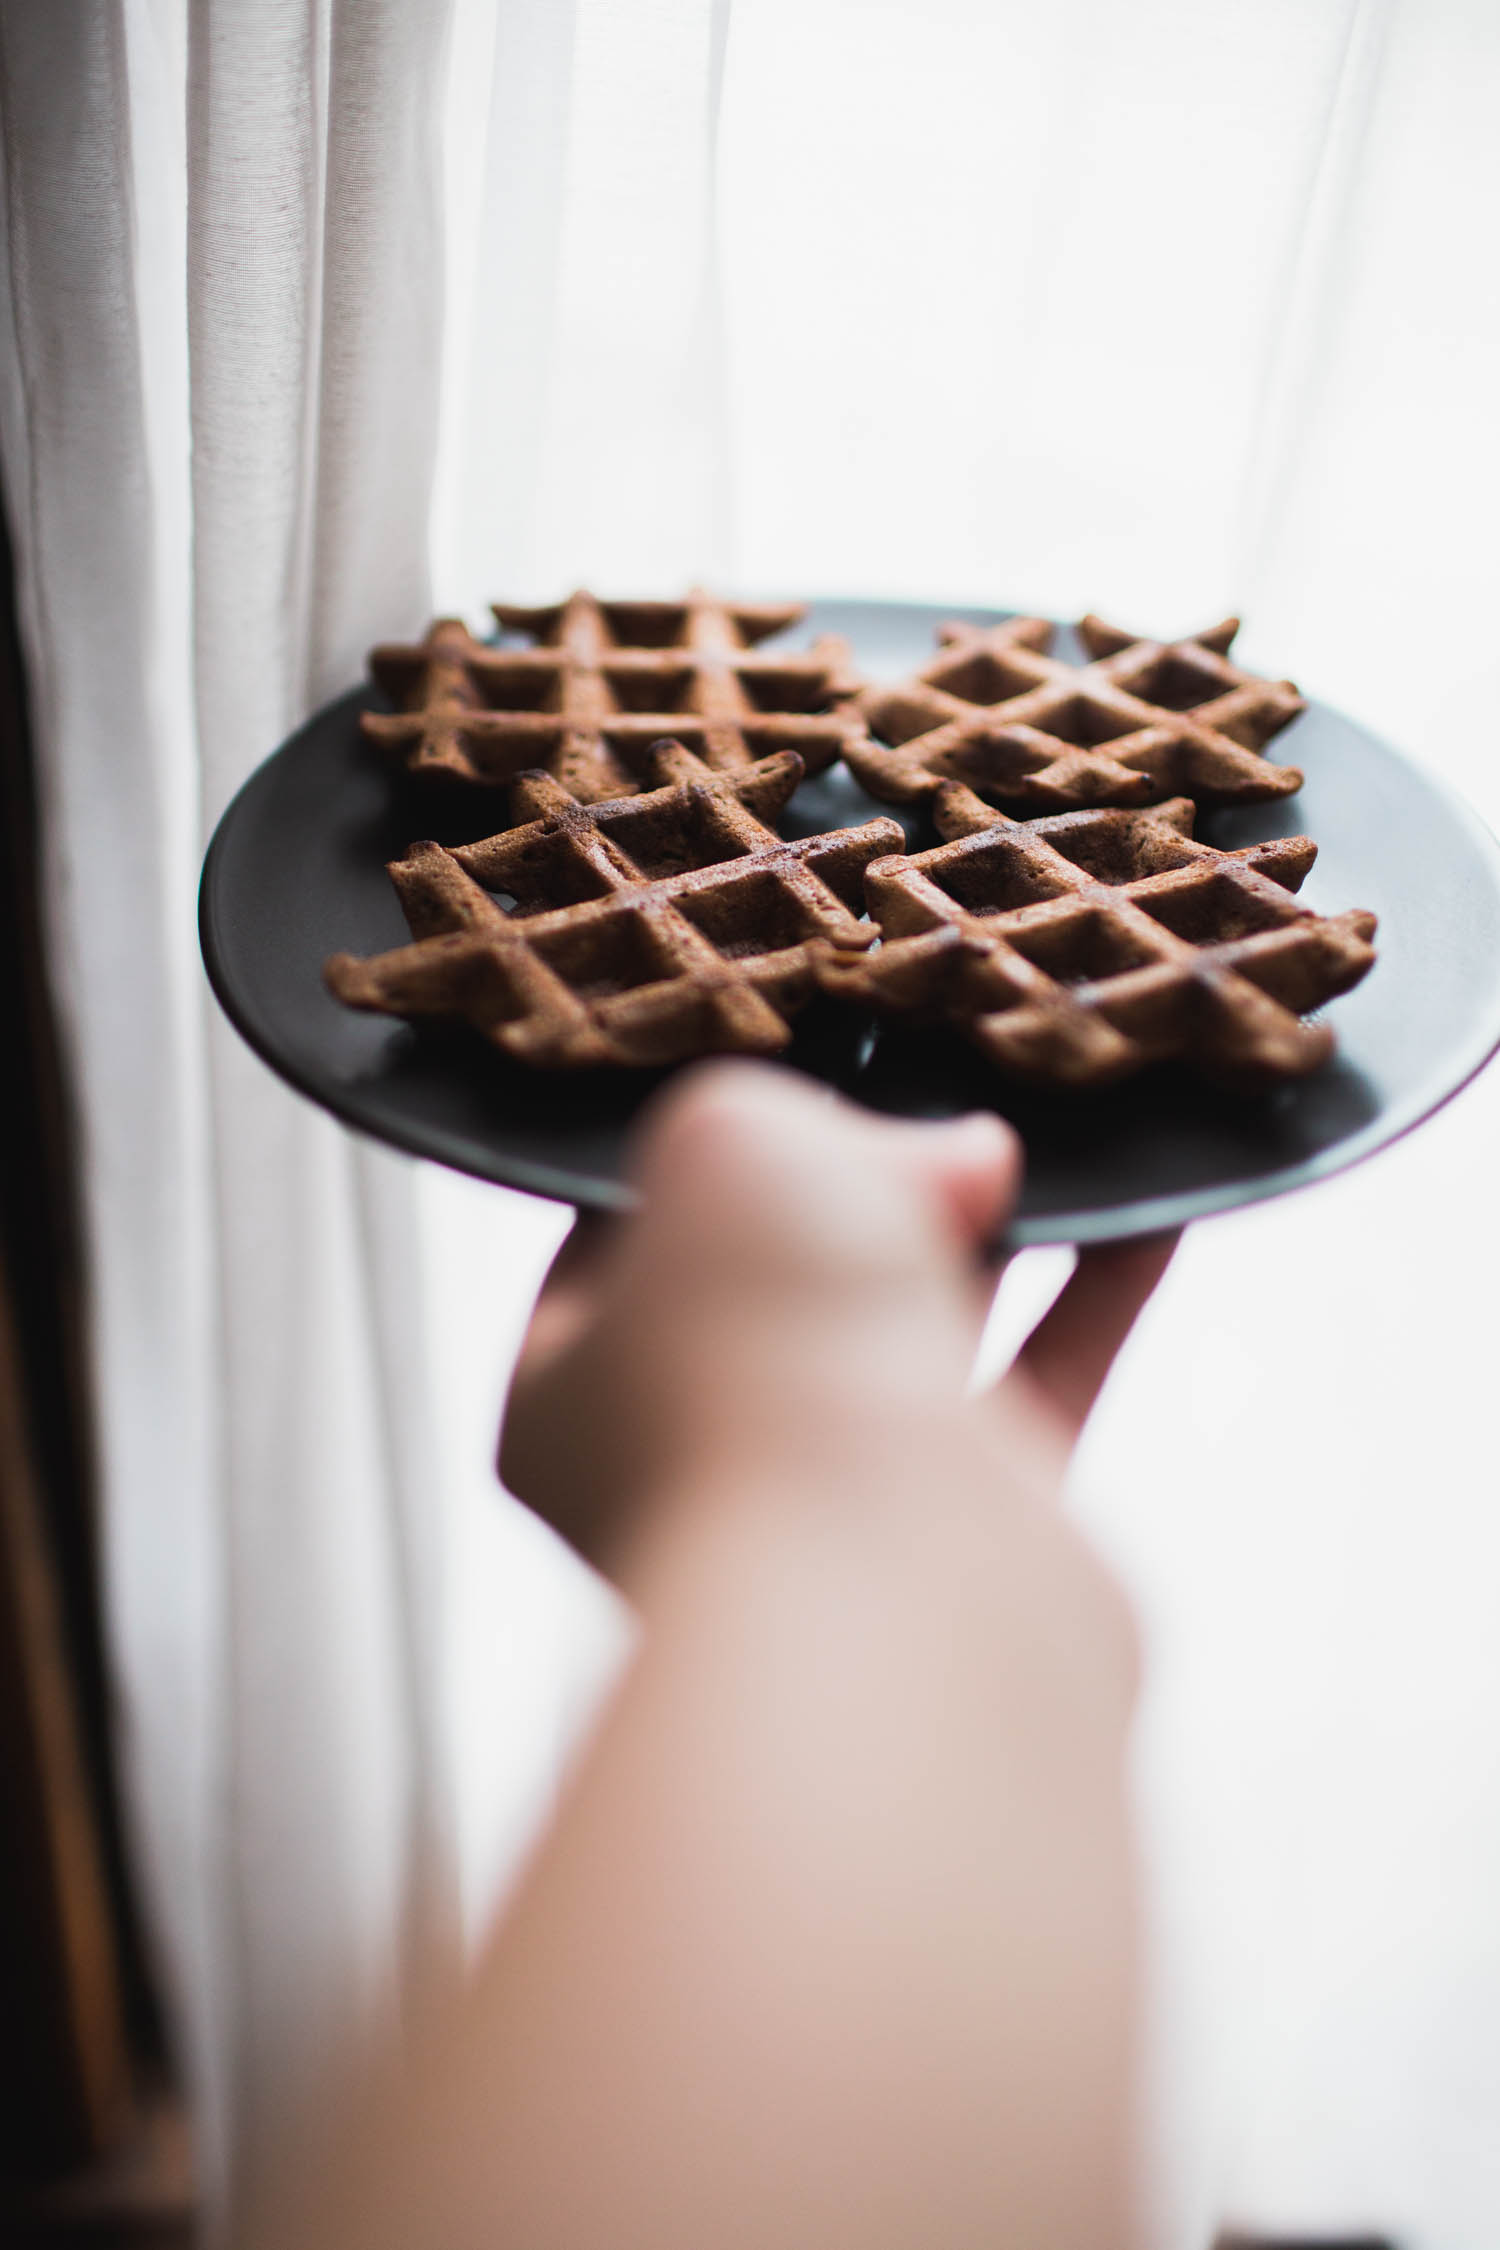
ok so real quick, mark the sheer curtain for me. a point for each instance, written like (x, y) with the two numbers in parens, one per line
(225, 306)
(1165, 310)
(320, 314)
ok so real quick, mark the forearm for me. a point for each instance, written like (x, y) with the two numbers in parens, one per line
(832, 1942)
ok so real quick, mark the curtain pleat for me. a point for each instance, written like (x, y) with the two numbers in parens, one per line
(505, 236)
(382, 329)
(272, 1542)
(593, 446)
(1306, 299)
(118, 792)
(314, 300)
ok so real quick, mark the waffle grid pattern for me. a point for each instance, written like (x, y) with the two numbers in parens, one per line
(1077, 948)
(600, 682)
(1140, 721)
(635, 931)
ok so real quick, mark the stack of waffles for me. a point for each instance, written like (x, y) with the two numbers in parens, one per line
(639, 906)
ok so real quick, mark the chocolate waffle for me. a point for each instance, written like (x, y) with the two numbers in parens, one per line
(639, 930)
(1141, 721)
(1076, 948)
(601, 682)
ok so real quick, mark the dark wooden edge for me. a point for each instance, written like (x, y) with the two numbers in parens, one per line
(80, 2030)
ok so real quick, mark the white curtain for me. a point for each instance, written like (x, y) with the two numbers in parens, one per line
(225, 288)
(321, 314)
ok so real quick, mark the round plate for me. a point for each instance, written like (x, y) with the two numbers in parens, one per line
(296, 871)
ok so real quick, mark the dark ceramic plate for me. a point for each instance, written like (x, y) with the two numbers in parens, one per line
(296, 871)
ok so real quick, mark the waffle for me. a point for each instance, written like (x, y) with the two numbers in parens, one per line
(601, 682)
(1143, 720)
(639, 931)
(1077, 948)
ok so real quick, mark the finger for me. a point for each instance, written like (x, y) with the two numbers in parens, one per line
(971, 1165)
(569, 1296)
(544, 1459)
(741, 1121)
(545, 1372)
(1070, 1352)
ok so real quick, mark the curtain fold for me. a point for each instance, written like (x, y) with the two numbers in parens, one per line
(314, 316)
(592, 446)
(119, 829)
(273, 1544)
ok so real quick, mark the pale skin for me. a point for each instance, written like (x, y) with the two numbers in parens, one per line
(833, 1940)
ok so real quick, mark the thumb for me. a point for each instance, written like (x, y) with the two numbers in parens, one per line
(777, 1173)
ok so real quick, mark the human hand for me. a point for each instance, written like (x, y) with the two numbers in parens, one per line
(803, 1278)
(834, 1939)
